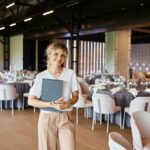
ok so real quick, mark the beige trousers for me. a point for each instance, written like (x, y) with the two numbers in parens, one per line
(56, 131)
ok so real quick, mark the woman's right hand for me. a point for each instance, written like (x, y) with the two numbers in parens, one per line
(59, 104)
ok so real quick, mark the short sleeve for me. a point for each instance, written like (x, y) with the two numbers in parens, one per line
(37, 87)
(74, 85)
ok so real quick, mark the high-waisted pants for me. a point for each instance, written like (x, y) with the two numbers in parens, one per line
(56, 131)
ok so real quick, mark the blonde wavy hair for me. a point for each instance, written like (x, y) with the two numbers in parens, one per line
(54, 47)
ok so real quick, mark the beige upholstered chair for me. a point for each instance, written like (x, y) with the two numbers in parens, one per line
(104, 104)
(138, 104)
(84, 87)
(83, 102)
(96, 108)
(140, 124)
(8, 93)
(139, 77)
(85, 94)
(26, 95)
(118, 142)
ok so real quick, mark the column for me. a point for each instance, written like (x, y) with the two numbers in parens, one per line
(118, 51)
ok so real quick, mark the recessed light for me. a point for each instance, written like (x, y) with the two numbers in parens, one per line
(72, 4)
(2, 28)
(48, 12)
(123, 8)
(10, 5)
(141, 4)
(28, 19)
(13, 24)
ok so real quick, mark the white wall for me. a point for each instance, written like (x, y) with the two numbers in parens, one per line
(16, 52)
(1, 53)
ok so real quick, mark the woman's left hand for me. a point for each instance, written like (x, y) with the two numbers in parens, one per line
(60, 105)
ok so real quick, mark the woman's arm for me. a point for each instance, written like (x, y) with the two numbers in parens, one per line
(34, 101)
(74, 98)
(62, 104)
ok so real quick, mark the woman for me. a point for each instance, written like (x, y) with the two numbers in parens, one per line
(55, 128)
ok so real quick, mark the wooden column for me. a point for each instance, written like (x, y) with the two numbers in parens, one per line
(118, 51)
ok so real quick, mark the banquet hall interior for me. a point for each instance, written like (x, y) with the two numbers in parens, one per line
(109, 50)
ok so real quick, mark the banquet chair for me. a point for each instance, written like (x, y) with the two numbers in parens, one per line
(83, 102)
(104, 104)
(118, 142)
(140, 123)
(138, 104)
(85, 94)
(26, 95)
(8, 93)
(84, 87)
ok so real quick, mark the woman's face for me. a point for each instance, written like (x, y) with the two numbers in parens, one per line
(57, 58)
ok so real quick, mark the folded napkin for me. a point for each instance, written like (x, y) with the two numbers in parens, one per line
(99, 86)
(114, 90)
(11, 81)
(147, 90)
(30, 82)
(133, 91)
(114, 83)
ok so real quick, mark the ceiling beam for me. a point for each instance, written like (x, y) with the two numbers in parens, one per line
(28, 5)
(13, 14)
(141, 30)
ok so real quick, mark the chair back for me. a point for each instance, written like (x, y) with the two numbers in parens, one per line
(84, 87)
(137, 142)
(2, 94)
(80, 103)
(118, 142)
(107, 104)
(140, 123)
(96, 102)
(7, 92)
(140, 104)
(103, 103)
(142, 120)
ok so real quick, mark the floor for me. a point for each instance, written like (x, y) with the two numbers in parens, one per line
(19, 132)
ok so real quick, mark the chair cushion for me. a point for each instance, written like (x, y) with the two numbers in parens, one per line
(88, 103)
(85, 96)
(127, 110)
(146, 143)
(117, 108)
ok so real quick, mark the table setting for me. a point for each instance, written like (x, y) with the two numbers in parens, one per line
(123, 93)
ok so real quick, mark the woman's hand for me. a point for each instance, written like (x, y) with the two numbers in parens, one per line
(59, 101)
(60, 104)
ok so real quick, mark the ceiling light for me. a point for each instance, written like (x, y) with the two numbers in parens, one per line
(10, 5)
(123, 8)
(13, 24)
(72, 4)
(141, 4)
(48, 12)
(28, 19)
(2, 28)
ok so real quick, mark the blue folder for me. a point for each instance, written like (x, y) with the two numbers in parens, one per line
(51, 91)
